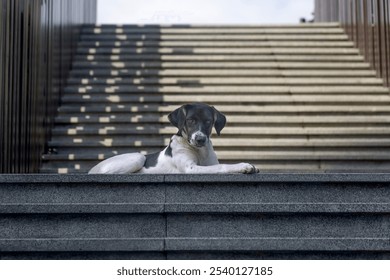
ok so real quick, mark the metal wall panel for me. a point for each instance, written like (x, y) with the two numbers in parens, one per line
(367, 23)
(37, 41)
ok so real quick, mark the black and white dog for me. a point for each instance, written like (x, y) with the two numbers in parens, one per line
(190, 150)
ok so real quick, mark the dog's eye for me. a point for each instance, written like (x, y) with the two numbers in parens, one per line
(191, 121)
(208, 122)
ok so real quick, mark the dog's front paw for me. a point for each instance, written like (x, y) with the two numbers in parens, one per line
(248, 168)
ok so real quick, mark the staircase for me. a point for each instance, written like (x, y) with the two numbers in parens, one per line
(297, 97)
(259, 216)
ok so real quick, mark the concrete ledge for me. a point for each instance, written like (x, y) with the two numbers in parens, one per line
(85, 245)
(181, 193)
(196, 244)
(168, 178)
(194, 216)
(278, 208)
(278, 244)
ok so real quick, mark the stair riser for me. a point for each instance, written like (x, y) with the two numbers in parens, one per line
(212, 44)
(123, 50)
(234, 142)
(114, 99)
(227, 81)
(216, 37)
(217, 58)
(97, 31)
(208, 26)
(275, 165)
(196, 88)
(254, 122)
(265, 110)
(259, 153)
(222, 65)
(107, 73)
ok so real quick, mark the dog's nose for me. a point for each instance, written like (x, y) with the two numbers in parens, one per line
(200, 140)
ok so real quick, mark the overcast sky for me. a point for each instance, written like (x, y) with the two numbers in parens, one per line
(204, 11)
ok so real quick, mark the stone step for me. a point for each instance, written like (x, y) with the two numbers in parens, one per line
(233, 89)
(217, 37)
(216, 57)
(223, 44)
(192, 73)
(342, 130)
(134, 143)
(162, 139)
(219, 30)
(230, 98)
(225, 81)
(215, 50)
(266, 166)
(228, 143)
(257, 192)
(211, 26)
(242, 119)
(315, 154)
(116, 65)
(281, 166)
(358, 154)
(265, 193)
(231, 109)
(197, 216)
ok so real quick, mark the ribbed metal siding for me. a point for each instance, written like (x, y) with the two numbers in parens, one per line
(37, 40)
(367, 22)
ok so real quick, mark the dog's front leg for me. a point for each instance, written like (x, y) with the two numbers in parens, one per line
(187, 164)
(245, 168)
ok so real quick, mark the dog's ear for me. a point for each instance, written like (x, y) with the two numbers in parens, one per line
(219, 121)
(178, 117)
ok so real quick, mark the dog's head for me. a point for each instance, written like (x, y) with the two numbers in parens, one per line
(195, 122)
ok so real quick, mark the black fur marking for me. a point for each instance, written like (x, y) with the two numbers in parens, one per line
(151, 160)
(168, 151)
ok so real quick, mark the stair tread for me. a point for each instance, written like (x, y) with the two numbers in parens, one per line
(216, 30)
(258, 120)
(94, 65)
(358, 154)
(153, 90)
(139, 58)
(224, 44)
(224, 142)
(153, 108)
(307, 166)
(221, 80)
(215, 50)
(213, 99)
(218, 37)
(106, 73)
(196, 25)
(254, 130)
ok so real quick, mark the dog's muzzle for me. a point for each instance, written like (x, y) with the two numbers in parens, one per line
(198, 139)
